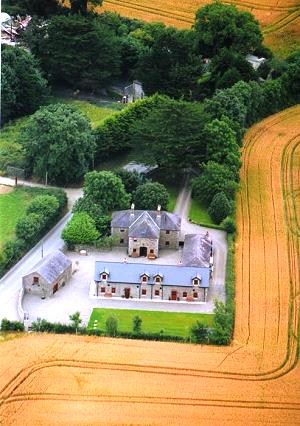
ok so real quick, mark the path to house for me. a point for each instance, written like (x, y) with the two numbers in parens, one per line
(75, 295)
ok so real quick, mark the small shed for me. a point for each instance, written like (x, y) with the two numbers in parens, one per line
(133, 92)
(48, 275)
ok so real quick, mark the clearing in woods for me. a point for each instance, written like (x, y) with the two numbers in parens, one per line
(279, 19)
(55, 379)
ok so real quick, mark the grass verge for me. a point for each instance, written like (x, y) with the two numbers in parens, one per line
(172, 323)
(198, 214)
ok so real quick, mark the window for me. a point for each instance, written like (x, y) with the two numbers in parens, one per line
(113, 290)
(196, 281)
(144, 291)
(167, 243)
(184, 294)
(121, 241)
(104, 276)
(195, 295)
(157, 279)
(102, 289)
(156, 292)
(134, 250)
(167, 232)
(135, 239)
(144, 279)
(35, 280)
(122, 230)
(151, 251)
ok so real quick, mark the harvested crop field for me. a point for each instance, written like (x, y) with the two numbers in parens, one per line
(59, 380)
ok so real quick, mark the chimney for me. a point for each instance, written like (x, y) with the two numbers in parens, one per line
(158, 215)
(131, 218)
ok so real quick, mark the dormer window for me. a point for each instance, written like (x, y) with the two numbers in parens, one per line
(196, 281)
(144, 278)
(35, 280)
(157, 279)
(104, 276)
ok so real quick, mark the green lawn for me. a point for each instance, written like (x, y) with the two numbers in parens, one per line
(172, 323)
(12, 207)
(173, 194)
(199, 214)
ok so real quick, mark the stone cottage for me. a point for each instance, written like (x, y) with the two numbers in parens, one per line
(133, 92)
(150, 281)
(48, 275)
(145, 232)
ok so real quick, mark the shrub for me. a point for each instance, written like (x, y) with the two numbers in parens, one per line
(80, 229)
(7, 325)
(29, 228)
(76, 320)
(149, 195)
(137, 324)
(229, 225)
(199, 332)
(45, 205)
(222, 326)
(219, 207)
(111, 326)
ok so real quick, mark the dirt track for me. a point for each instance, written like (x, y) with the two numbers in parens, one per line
(63, 380)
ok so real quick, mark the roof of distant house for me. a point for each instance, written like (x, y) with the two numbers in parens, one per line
(255, 61)
(51, 266)
(131, 273)
(139, 167)
(164, 220)
(197, 250)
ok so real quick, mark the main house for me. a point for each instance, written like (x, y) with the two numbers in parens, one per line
(145, 232)
(150, 281)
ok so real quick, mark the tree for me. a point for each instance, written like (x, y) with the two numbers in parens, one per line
(220, 207)
(102, 221)
(222, 326)
(58, 43)
(229, 225)
(149, 195)
(218, 25)
(171, 66)
(106, 190)
(174, 136)
(58, 141)
(76, 320)
(29, 228)
(111, 326)
(81, 6)
(80, 229)
(24, 88)
(214, 178)
(137, 324)
(131, 180)
(45, 205)
(199, 332)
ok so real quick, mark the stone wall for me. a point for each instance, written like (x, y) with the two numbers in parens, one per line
(172, 238)
(136, 243)
(42, 288)
(116, 232)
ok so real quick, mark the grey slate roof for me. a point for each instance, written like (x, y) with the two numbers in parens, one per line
(197, 250)
(173, 275)
(165, 220)
(144, 227)
(52, 266)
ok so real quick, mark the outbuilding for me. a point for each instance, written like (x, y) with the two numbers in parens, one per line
(48, 275)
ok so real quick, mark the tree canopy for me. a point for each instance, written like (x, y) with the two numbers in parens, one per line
(80, 229)
(218, 25)
(151, 194)
(58, 141)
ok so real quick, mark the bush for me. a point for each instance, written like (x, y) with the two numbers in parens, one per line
(222, 327)
(111, 326)
(199, 333)
(11, 253)
(29, 228)
(219, 207)
(149, 195)
(7, 325)
(137, 324)
(80, 229)
(46, 206)
(229, 225)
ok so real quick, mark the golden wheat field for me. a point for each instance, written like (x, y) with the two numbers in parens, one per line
(68, 380)
(279, 19)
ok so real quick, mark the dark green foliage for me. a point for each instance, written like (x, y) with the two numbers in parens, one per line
(137, 324)
(229, 225)
(149, 195)
(12, 251)
(111, 326)
(58, 141)
(174, 139)
(220, 26)
(81, 229)
(45, 205)
(106, 190)
(30, 227)
(131, 180)
(23, 87)
(81, 6)
(199, 333)
(102, 221)
(114, 136)
(222, 327)
(76, 51)
(214, 178)
(171, 65)
(76, 320)
(7, 325)
(219, 207)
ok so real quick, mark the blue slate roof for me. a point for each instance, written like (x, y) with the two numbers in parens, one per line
(165, 220)
(52, 266)
(173, 275)
(144, 227)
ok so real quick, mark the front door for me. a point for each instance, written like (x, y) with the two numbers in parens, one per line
(127, 293)
(55, 288)
(143, 251)
(174, 295)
